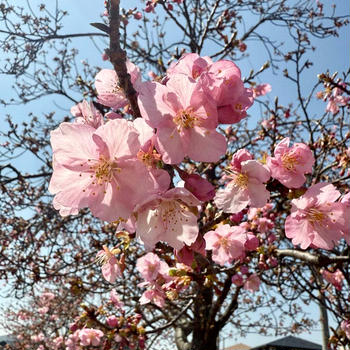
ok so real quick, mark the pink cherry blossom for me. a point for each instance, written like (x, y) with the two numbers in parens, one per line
(226, 242)
(86, 113)
(112, 321)
(223, 82)
(190, 64)
(90, 336)
(252, 284)
(245, 186)
(155, 296)
(335, 102)
(108, 89)
(110, 266)
(316, 218)
(150, 266)
(345, 326)
(98, 169)
(185, 119)
(261, 90)
(346, 205)
(291, 163)
(168, 217)
(199, 187)
(237, 280)
(336, 278)
(186, 254)
(114, 298)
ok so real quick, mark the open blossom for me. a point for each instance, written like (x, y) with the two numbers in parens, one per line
(154, 295)
(86, 113)
(185, 119)
(261, 90)
(150, 266)
(110, 266)
(226, 242)
(168, 217)
(346, 205)
(98, 169)
(252, 284)
(245, 186)
(114, 298)
(345, 326)
(290, 164)
(108, 89)
(90, 336)
(316, 218)
(221, 81)
(336, 278)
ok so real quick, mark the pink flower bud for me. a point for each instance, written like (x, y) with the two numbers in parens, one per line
(199, 187)
(251, 243)
(237, 280)
(112, 321)
(138, 15)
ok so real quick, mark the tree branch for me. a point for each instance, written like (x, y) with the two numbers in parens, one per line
(118, 58)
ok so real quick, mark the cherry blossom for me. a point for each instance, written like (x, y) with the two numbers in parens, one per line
(86, 113)
(252, 284)
(336, 278)
(110, 266)
(108, 89)
(316, 218)
(185, 119)
(168, 217)
(291, 163)
(150, 266)
(90, 336)
(261, 90)
(226, 242)
(245, 185)
(98, 169)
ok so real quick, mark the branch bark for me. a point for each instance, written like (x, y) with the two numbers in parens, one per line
(117, 57)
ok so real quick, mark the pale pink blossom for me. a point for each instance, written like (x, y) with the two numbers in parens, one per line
(335, 102)
(43, 310)
(47, 297)
(265, 225)
(226, 243)
(316, 218)
(345, 326)
(223, 81)
(261, 90)
(98, 169)
(185, 119)
(237, 280)
(150, 266)
(87, 113)
(290, 164)
(336, 278)
(345, 200)
(252, 284)
(90, 336)
(168, 217)
(108, 88)
(245, 186)
(110, 266)
(155, 296)
(114, 298)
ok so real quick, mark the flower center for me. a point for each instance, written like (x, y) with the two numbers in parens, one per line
(241, 180)
(315, 216)
(289, 161)
(104, 170)
(185, 119)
